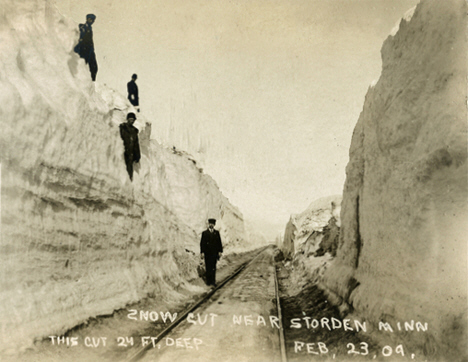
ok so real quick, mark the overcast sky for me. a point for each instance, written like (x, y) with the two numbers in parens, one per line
(265, 93)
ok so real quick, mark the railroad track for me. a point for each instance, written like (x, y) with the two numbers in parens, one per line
(203, 301)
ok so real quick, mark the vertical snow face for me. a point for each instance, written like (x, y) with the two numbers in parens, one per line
(403, 243)
(78, 239)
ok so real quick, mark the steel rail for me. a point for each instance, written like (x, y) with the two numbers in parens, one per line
(280, 316)
(142, 350)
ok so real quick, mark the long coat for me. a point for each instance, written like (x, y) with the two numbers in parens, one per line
(210, 243)
(129, 134)
(132, 89)
(85, 46)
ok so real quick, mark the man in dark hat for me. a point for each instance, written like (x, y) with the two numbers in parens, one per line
(211, 249)
(85, 46)
(132, 89)
(129, 134)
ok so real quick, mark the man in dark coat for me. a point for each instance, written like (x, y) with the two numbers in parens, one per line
(85, 46)
(211, 250)
(129, 134)
(132, 89)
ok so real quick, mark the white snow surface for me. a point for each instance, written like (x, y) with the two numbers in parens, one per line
(403, 237)
(406, 18)
(313, 219)
(303, 236)
(78, 239)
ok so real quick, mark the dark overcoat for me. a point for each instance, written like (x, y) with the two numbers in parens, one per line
(85, 46)
(129, 134)
(210, 243)
(132, 89)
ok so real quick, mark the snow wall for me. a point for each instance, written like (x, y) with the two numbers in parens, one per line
(403, 241)
(310, 241)
(78, 239)
(306, 230)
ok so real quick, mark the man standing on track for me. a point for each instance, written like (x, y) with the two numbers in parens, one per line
(211, 249)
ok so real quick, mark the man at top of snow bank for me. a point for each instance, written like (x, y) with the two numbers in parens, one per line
(85, 46)
(129, 134)
(132, 89)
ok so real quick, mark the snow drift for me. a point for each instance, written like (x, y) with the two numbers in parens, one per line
(309, 225)
(78, 239)
(310, 241)
(403, 250)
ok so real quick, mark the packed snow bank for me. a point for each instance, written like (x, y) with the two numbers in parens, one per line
(311, 239)
(78, 239)
(403, 247)
(309, 224)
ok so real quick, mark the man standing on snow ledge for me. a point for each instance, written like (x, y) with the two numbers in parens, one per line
(132, 90)
(85, 46)
(211, 249)
(129, 134)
